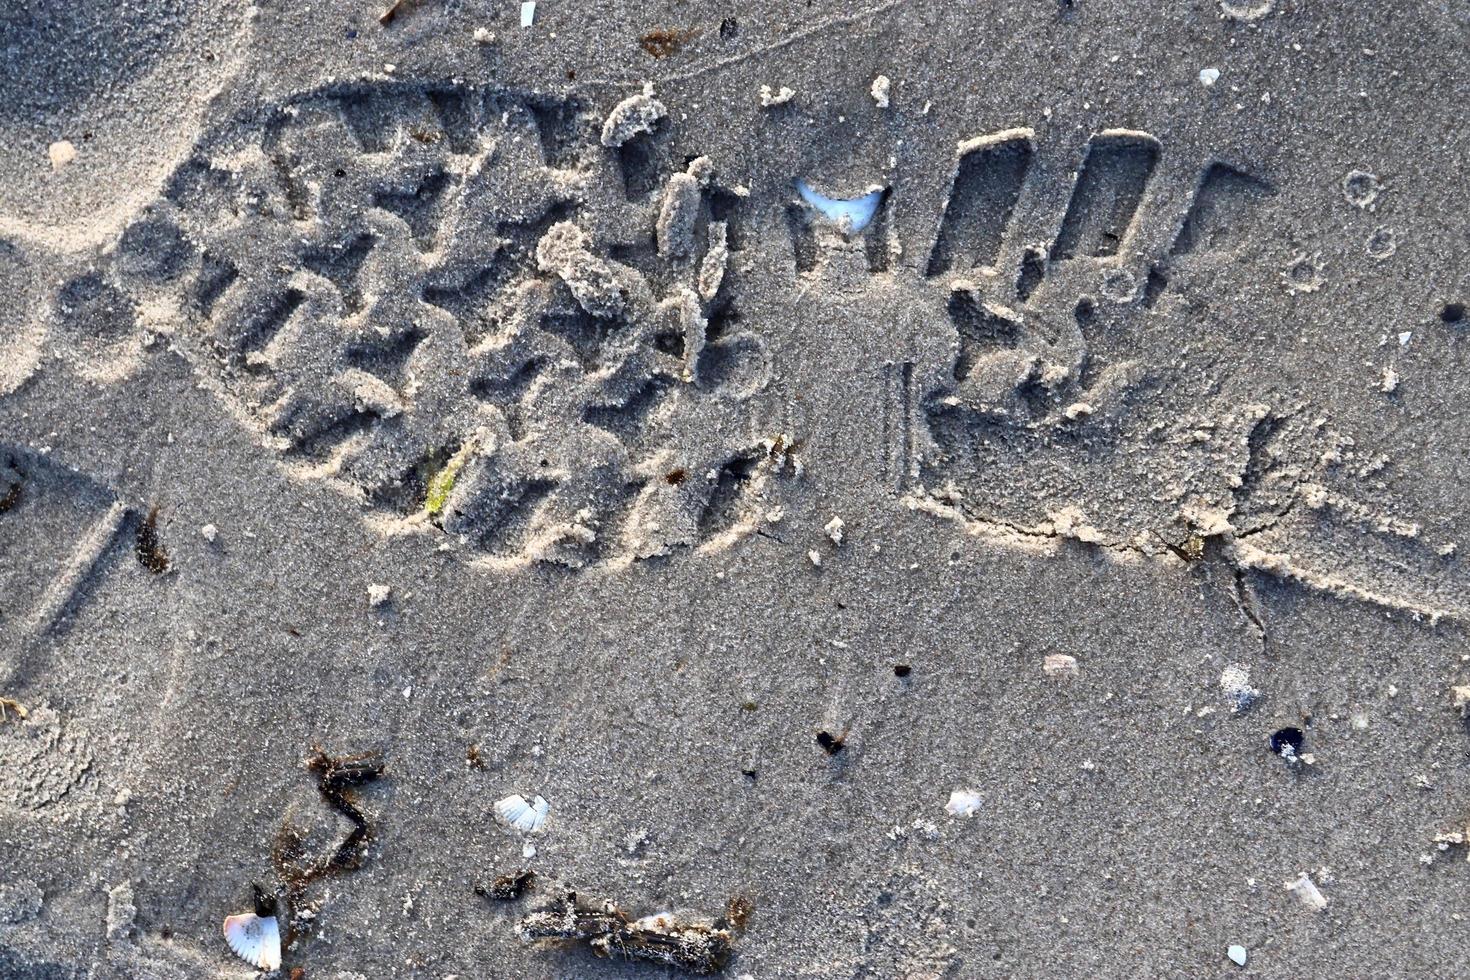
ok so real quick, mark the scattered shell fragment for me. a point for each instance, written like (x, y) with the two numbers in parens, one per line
(1460, 698)
(1209, 76)
(1237, 954)
(256, 939)
(834, 529)
(1059, 665)
(770, 99)
(1307, 892)
(1078, 410)
(880, 88)
(61, 153)
(1388, 382)
(963, 803)
(378, 595)
(1246, 10)
(209, 532)
(525, 817)
(815, 557)
(528, 13)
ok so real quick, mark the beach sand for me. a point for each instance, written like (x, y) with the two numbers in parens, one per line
(917, 489)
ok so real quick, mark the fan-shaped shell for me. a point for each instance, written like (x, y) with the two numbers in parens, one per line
(255, 939)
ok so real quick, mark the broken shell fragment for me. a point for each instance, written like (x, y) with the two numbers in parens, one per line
(963, 803)
(256, 939)
(1307, 891)
(515, 812)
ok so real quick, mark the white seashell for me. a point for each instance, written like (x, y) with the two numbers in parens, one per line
(255, 939)
(523, 816)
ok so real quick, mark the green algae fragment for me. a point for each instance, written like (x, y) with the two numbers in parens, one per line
(441, 484)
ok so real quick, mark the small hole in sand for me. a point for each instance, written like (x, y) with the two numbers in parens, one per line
(902, 670)
(831, 744)
(1453, 313)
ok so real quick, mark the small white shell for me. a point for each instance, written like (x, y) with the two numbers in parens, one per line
(255, 939)
(523, 816)
(1306, 890)
(963, 803)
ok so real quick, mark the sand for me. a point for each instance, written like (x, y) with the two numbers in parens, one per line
(1059, 573)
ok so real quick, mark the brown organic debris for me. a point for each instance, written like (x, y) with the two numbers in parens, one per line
(664, 41)
(336, 777)
(508, 887)
(146, 545)
(664, 939)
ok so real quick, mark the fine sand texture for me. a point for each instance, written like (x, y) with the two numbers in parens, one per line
(896, 489)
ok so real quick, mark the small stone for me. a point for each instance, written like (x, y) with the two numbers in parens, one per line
(1209, 76)
(880, 88)
(378, 595)
(1059, 665)
(209, 532)
(61, 153)
(815, 558)
(1389, 382)
(1460, 698)
(1237, 955)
